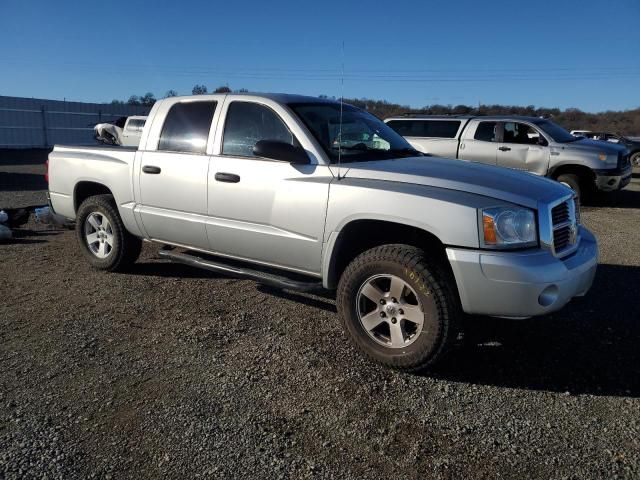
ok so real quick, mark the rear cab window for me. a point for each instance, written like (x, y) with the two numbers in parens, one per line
(135, 125)
(186, 127)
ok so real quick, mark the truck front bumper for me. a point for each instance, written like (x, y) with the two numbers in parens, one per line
(611, 180)
(522, 284)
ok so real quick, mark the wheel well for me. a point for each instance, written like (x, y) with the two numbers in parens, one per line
(85, 190)
(585, 174)
(361, 235)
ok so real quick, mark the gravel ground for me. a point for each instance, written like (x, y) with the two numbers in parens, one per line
(176, 373)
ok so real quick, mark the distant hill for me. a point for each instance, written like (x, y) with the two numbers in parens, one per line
(625, 122)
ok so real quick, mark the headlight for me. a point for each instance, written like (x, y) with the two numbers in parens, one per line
(508, 227)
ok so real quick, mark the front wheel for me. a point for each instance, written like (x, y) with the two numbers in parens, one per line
(398, 308)
(572, 181)
(635, 159)
(102, 236)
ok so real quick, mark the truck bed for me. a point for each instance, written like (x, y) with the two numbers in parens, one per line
(72, 167)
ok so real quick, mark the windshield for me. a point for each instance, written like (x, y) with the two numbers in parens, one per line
(556, 132)
(364, 137)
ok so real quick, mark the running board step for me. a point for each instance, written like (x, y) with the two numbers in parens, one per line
(240, 272)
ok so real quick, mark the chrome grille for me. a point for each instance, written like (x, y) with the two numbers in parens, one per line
(563, 221)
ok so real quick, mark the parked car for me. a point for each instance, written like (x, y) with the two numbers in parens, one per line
(261, 187)
(124, 131)
(631, 144)
(580, 133)
(531, 144)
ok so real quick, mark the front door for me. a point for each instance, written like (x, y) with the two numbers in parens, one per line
(523, 148)
(265, 210)
(173, 178)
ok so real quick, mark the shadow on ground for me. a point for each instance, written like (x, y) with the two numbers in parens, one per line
(24, 156)
(592, 346)
(169, 270)
(24, 236)
(324, 300)
(13, 182)
(621, 199)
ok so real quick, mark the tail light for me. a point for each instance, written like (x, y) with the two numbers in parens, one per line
(46, 173)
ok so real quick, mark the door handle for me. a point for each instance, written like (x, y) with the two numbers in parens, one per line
(504, 149)
(227, 177)
(151, 169)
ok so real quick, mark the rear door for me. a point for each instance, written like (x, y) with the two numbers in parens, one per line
(480, 142)
(523, 148)
(173, 176)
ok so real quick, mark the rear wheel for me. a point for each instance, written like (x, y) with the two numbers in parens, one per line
(398, 308)
(102, 236)
(635, 159)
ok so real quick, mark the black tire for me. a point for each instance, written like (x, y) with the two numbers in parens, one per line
(126, 247)
(437, 298)
(635, 159)
(573, 181)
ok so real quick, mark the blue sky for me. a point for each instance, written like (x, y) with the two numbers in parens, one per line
(583, 54)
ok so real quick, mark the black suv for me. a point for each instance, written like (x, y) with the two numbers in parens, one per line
(632, 145)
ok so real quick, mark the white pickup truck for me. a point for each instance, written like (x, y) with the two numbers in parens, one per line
(304, 193)
(531, 144)
(125, 131)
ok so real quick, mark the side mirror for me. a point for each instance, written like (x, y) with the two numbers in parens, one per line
(542, 141)
(283, 151)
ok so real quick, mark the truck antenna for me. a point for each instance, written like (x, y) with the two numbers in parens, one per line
(341, 102)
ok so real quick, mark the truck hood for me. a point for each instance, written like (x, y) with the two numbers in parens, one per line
(504, 184)
(588, 145)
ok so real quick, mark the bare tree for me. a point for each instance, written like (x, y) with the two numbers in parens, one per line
(199, 90)
(148, 99)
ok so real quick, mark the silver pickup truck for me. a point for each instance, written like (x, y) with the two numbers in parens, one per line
(532, 144)
(306, 194)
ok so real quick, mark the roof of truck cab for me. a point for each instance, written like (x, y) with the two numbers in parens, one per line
(497, 118)
(277, 97)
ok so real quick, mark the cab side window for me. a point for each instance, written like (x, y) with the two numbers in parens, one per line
(186, 127)
(486, 132)
(520, 133)
(247, 123)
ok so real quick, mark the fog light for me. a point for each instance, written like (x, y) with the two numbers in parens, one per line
(548, 296)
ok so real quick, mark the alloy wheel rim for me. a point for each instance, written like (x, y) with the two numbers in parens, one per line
(98, 234)
(389, 311)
